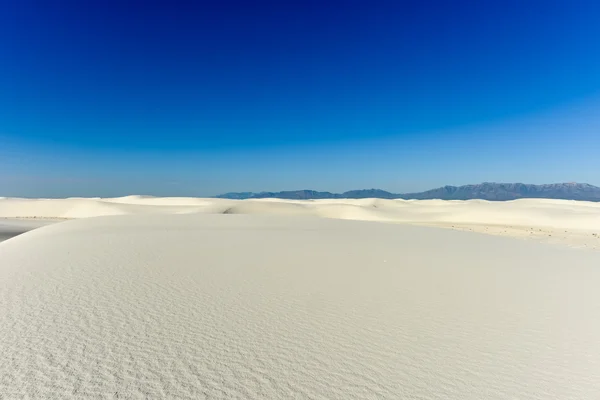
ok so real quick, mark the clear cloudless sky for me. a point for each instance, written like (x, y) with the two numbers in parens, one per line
(108, 98)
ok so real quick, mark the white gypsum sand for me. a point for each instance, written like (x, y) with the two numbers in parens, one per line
(572, 223)
(252, 306)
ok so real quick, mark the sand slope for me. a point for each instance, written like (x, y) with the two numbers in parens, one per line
(11, 227)
(573, 223)
(246, 306)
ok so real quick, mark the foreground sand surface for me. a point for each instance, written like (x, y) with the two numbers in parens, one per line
(184, 299)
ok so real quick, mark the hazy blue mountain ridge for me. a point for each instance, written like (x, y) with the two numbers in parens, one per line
(485, 191)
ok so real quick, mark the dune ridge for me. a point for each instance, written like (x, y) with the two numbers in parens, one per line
(574, 223)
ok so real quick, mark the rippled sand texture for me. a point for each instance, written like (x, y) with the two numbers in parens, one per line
(257, 307)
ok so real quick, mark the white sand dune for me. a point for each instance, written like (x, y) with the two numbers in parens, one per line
(573, 223)
(193, 298)
(193, 306)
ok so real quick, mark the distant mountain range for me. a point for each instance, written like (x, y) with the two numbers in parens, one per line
(485, 191)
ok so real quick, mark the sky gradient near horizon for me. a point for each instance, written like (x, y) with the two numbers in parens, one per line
(109, 98)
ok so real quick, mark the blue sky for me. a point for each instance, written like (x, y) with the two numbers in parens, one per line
(107, 98)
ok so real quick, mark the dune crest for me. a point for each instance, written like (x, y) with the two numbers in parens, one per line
(574, 223)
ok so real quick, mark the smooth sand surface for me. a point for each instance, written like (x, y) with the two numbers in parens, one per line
(565, 222)
(184, 299)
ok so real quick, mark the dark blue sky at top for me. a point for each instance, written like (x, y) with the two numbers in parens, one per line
(89, 89)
